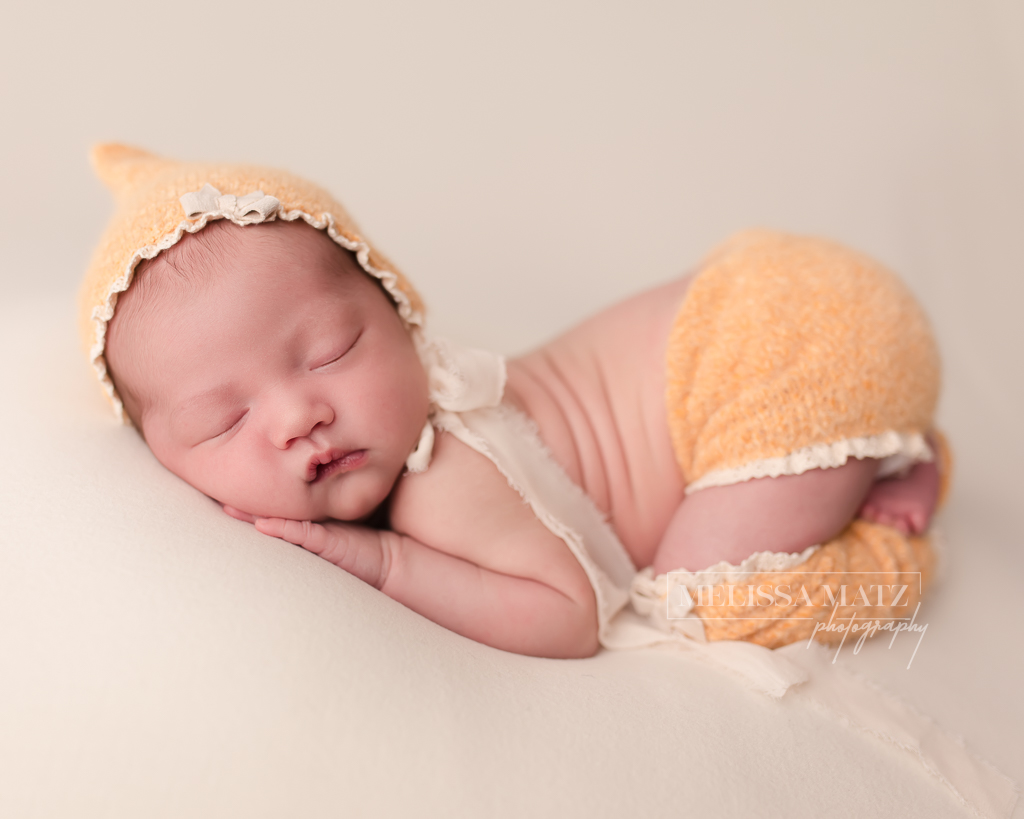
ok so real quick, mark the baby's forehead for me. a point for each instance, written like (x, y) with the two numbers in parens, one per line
(295, 251)
(222, 240)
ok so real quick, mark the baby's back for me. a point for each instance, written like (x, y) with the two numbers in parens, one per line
(597, 394)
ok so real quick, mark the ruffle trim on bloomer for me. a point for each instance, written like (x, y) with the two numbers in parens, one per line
(669, 607)
(897, 449)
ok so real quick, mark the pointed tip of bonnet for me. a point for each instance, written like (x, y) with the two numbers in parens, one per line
(122, 167)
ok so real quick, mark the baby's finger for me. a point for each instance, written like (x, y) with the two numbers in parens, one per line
(332, 546)
(298, 532)
(238, 514)
(310, 536)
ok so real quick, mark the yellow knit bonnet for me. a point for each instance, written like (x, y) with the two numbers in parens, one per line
(159, 200)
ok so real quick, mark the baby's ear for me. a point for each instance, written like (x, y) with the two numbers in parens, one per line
(123, 168)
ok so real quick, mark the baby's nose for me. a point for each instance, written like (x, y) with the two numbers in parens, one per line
(298, 418)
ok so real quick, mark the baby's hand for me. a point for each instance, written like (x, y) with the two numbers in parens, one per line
(358, 550)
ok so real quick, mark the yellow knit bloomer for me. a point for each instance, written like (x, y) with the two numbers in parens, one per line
(787, 354)
(790, 354)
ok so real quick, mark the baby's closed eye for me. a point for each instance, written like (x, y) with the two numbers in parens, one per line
(232, 423)
(337, 353)
(207, 415)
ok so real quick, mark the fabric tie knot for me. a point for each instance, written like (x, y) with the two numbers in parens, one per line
(460, 379)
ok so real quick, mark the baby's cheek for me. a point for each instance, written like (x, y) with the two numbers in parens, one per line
(231, 480)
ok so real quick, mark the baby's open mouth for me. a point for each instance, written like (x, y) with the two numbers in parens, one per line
(334, 461)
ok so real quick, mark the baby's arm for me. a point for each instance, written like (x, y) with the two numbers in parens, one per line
(491, 572)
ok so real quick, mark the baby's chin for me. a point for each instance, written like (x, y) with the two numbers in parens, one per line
(371, 512)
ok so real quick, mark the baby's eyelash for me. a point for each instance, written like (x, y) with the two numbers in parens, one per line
(340, 355)
(235, 424)
(336, 358)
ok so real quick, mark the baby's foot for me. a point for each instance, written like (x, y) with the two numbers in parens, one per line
(906, 503)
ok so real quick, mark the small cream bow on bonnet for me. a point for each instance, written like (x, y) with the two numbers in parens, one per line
(159, 200)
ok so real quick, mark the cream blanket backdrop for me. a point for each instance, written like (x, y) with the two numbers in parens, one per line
(526, 166)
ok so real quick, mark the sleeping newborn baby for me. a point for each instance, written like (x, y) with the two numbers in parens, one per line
(769, 413)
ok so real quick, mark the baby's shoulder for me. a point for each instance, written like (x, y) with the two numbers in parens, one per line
(461, 503)
(456, 473)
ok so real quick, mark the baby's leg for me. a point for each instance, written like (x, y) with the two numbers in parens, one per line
(784, 514)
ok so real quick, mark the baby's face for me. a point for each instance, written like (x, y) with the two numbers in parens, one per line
(288, 385)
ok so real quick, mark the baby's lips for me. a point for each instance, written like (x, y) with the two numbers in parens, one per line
(313, 469)
(321, 458)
